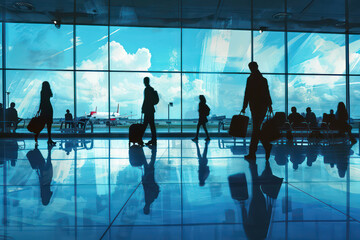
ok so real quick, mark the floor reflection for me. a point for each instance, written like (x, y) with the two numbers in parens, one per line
(101, 188)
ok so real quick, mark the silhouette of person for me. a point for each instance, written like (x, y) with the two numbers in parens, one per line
(204, 111)
(311, 118)
(332, 118)
(312, 153)
(256, 221)
(12, 116)
(11, 152)
(257, 95)
(46, 111)
(295, 118)
(148, 110)
(341, 122)
(151, 188)
(297, 156)
(339, 155)
(68, 119)
(204, 170)
(45, 177)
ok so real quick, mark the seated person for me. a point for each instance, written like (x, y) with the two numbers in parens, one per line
(311, 118)
(12, 118)
(341, 122)
(68, 119)
(332, 118)
(295, 118)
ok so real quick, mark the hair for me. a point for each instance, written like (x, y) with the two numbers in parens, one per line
(46, 88)
(202, 98)
(67, 110)
(146, 80)
(341, 109)
(308, 109)
(12, 104)
(293, 109)
(331, 110)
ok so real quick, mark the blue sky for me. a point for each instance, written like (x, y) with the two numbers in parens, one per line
(39, 46)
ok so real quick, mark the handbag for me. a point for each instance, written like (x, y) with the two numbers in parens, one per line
(36, 124)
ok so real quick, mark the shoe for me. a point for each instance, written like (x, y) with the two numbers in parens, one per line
(207, 139)
(195, 139)
(267, 152)
(51, 143)
(250, 157)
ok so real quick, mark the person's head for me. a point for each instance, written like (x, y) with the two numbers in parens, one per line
(146, 81)
(253, 66)
(202, 98)
(341, 106)
(67, 111)
(201, 183)
(12, 105)
(308, 110)
(46, 87)
(293, 109)
(331, 111)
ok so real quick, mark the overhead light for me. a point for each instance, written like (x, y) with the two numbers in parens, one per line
(23, 6)
(262, 29)
(57, 23)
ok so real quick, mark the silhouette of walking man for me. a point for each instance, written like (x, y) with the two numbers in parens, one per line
(204, 111)
(150, 100)
(257, 95)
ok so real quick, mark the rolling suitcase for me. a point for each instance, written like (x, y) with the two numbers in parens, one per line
(136, 156)
(238, 126)
(136, 133)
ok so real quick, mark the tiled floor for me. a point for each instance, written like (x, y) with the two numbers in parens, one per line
(92, 189)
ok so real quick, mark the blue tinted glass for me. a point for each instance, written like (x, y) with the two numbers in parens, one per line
(316, 53)
(92, 47)
(354, 51)
(25, 87)
(355, 97)
(133, 48)
(208, 50)
(321, 93)
(269, 51)
(39, 46)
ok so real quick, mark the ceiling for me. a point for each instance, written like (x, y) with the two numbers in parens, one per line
(301, 15)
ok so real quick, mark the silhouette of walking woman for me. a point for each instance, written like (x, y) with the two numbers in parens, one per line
(46, 111)
(204, 111)
(257, 95)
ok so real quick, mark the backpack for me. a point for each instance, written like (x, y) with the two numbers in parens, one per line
(155, 97)
(207, 110)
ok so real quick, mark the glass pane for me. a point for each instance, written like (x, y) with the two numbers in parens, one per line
(92, 47)
(39, 46)
(354, 51)
(355, 97)
(25, 86)
(208, 50)
(1, 45)
(92, 98)
(269, 51)
(224, 95)
(316, 53)
(277, 91)
(127, 94)
(133, 48)
(321, 93)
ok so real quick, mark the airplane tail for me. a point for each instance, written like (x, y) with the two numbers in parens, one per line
(118, 108)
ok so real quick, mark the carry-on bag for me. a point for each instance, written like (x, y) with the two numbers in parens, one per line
(136, 133)
(35, 158)
(36, 124)
(136, 156)
(238, 126)
(238, 186)
(270, 129)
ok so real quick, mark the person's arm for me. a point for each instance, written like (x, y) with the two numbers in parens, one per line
(246, 97)
(269, 101)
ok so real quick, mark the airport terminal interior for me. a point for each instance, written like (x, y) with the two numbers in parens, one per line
(93, 183)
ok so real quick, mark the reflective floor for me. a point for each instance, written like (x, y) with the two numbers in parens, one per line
(101, 189)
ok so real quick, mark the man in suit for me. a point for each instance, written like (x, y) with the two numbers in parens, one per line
(149, 110)
(257, 95)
